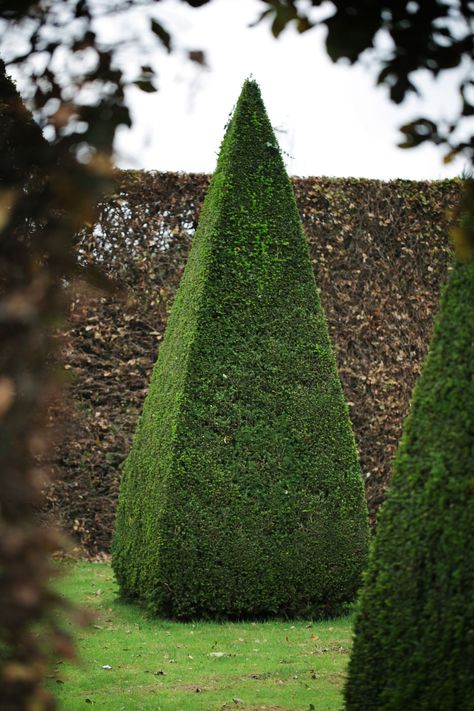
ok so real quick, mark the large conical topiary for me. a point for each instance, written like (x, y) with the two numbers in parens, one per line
(242, 493)
(414, 643)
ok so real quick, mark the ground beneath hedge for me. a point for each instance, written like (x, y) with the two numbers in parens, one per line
(130, 662)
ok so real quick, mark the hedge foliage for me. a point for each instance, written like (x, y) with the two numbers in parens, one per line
(242, 494)
(414, 643)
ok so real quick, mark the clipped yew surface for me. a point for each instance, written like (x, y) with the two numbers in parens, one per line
(414, 641)
(242, 495)
(380, 253)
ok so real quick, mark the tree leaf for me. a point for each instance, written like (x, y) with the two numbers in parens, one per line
(163, 34)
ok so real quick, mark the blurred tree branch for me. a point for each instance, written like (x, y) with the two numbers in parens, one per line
(34, 256)
(431, 35)
(49, 189)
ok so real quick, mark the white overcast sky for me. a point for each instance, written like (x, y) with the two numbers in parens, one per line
(331, 119)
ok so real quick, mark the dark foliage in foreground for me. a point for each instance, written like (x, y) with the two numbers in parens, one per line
(31, 262)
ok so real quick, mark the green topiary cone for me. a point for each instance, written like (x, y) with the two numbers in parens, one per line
(242, 493)
(414, 643)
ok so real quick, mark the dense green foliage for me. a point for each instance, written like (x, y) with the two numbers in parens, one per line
(242, 493)
(414, 644)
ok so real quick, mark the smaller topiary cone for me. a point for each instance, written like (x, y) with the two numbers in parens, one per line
(414, 634)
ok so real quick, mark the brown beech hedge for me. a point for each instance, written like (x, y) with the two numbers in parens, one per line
(379, 251)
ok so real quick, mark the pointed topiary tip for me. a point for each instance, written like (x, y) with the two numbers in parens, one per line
(250, 99)
(250, 86)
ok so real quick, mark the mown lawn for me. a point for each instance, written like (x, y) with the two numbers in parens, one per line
(130, 662)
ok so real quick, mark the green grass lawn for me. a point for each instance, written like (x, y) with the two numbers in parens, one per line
(131, 662)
